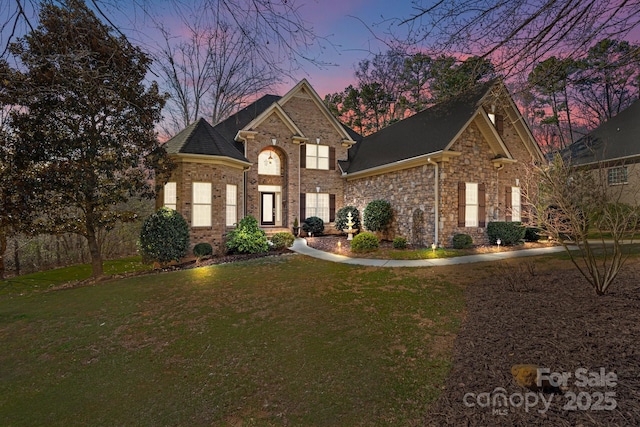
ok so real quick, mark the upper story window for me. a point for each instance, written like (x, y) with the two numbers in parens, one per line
(617, 175)
(317, 156)
(170, 195)
(268, 163)
(516, 208)
(471, 204)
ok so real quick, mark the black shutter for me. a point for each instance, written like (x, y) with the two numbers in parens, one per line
(499, 124)
(303, 207)
(481, 206)
(303, 156)
(332, 158)
(332, 207)
(462, 200)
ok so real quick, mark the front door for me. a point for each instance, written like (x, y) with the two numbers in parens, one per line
(268, 203)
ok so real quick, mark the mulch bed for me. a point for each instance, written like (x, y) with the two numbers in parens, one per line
(553, 320)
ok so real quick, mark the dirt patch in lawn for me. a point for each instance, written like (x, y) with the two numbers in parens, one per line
(553, 320)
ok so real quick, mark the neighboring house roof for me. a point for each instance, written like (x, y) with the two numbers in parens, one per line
(428, 131)
(616, 139)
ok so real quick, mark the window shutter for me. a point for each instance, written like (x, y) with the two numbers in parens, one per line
(481, 206)
(332, 207)
(462, 199)
(507, 204)
(499, 123)
(332, 158)
(303, 207)
(303, 156)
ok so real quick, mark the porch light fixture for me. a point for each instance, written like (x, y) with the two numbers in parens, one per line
(270, 158)
(317, 189)
(273, 141)
(317, 140)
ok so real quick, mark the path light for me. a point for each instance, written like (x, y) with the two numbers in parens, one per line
(433, 247)
(498, 242)
(339, 246)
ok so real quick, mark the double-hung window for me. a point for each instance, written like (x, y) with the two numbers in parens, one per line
(170, 195)
(317, 156)
(232, 205)
(317, 204)
(201, 204)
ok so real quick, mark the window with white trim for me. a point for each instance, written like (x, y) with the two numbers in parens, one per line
(516, 208)
(471, 204)
(317, 157)
(232, 205)
(317, 204)
(617, 175)
(170, 196)
(201, 204)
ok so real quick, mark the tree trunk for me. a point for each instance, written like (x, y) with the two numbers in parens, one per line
(3, 248)
(96, 256)
(16, 256)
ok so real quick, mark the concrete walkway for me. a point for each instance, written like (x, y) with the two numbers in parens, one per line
(300, 246)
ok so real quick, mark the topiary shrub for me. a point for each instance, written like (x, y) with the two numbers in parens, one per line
(365, 242)
(282, 240)
(462, 241)
(341, 218)
(164, 237)
(202, 249)
(314, 225)
(399, 243)
(509, 233)
(247, 238)
(377, 215)
(531, 234)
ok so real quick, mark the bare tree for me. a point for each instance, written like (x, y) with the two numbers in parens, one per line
(576, 206)
(515, 34)
(210, 71)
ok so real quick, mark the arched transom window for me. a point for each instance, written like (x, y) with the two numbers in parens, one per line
(268, 163)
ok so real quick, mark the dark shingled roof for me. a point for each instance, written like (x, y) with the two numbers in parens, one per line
(219, 140)
(617, 138)
(428, 131)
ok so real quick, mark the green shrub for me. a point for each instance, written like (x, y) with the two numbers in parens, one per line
(164, 237)
(202, 249)
(377, 215)
(282, 240)
(509, 233)
(462, 241)
(399, 243)
(341, 218)
(531, 234)
(365, 242)
(247, 238)
(314, 225)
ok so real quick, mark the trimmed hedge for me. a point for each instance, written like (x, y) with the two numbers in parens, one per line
(282, 240)
(509, 233)
(314, 225)
(531, 234)
(164, 237)
(377, 215)
(399, 243)
(202, 249)
(462, 241)
(365, 242)
(247, 238)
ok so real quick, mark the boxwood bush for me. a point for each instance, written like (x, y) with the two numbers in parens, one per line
(314, 225)
(531, 234)
(399, 243)
(282, 240)
(202, 249)
(377, 215)
(341, 218)
(509, 233)
(247, 238)
(164, 237)
(365, 242)
(462, 241)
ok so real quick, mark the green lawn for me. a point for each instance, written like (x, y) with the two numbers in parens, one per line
(276, 341)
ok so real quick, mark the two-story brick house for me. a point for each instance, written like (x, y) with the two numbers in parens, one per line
(448, 169)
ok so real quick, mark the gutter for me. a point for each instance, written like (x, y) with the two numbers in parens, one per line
(436, 225)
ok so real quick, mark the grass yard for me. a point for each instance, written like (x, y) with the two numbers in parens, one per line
(285, 340)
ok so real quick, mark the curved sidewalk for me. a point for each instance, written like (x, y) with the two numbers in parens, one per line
(300, 246)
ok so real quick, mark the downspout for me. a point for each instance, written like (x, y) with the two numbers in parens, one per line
(299, 185)
(436, 225)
